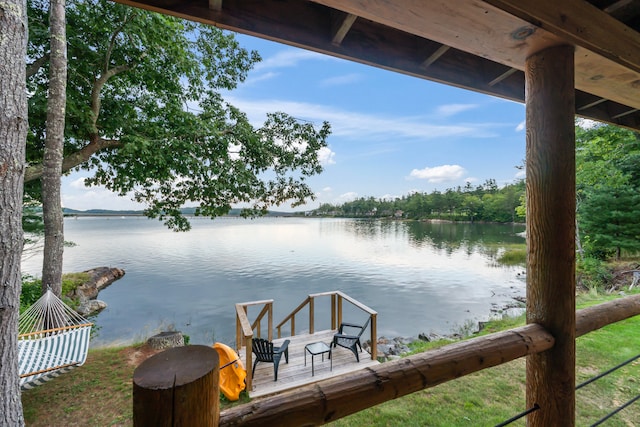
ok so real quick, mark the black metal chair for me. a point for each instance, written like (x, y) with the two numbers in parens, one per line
(351, 342)
(266, 352)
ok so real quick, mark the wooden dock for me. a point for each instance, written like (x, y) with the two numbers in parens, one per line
(296, 374)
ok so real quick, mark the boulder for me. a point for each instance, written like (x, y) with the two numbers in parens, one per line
(90, 307)
(168, 339)
(86, 293)
(100, 278)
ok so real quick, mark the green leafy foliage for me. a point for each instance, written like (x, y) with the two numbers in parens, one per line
(146, 114)
(608, 190)
(32, 289)
(592, 273)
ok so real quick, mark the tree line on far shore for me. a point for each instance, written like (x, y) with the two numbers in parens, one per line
(485, 202)
(607, 192)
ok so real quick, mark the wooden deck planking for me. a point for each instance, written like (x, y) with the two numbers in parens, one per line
(296, 374)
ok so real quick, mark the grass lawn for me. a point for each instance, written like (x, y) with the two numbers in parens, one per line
(100, 392)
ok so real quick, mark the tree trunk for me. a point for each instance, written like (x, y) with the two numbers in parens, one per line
(579, 249)
(13, 136)
(54, 144)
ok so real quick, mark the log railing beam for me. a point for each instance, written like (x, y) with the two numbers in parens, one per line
(550, 182)
(595, 317)
(429, 368)
(338, 397)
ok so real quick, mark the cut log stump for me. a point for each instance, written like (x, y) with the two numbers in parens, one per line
(177, 387)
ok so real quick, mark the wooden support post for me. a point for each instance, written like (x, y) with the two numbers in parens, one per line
(311, 315)
(551, 232)
(178, 387)
(249, 361)
(333, 312)
(238, 333)
(270, 320)
(374, 336)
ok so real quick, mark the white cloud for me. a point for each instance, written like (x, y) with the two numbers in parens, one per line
(327, 190)
(78, 184)
(326, 156)
(289, 58)
(362, 126)
(341, 80)
(452, 109)
(521, 174)
(347, 197)
(521, 126)
(438, 174)
(261, 77)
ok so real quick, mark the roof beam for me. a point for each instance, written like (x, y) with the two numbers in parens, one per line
(625, 113)
(612, 8)
(502, 76)
(472, 26)
(435, 56)
(582, 24)
(341, 27)
(215, 5)
(591, 104)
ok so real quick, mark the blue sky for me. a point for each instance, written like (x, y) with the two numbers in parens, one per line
(391, 134)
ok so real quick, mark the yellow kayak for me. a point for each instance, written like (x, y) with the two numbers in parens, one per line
(232, 372)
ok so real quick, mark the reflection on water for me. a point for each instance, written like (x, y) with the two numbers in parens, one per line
(419, 277)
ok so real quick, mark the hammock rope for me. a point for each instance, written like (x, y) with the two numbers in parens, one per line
(52, 339)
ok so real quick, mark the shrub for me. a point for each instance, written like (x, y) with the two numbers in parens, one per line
(31, 291)
(592, 274)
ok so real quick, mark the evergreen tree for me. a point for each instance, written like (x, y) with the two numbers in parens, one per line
(608, 187)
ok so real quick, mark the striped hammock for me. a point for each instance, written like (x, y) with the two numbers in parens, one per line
(52, 339)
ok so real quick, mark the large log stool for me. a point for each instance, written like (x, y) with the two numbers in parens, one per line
(177, 387)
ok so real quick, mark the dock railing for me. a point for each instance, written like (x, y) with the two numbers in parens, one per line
(337, 299)
(244, 330)
(325, 401)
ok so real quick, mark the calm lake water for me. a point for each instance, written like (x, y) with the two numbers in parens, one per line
(419, 277)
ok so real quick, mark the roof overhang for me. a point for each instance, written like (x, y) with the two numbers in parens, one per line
(472, 44)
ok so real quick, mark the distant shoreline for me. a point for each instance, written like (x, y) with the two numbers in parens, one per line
(189, 212)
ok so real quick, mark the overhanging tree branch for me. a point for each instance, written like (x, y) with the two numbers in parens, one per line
(76, 159)
(97, 88)
(37, 64)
